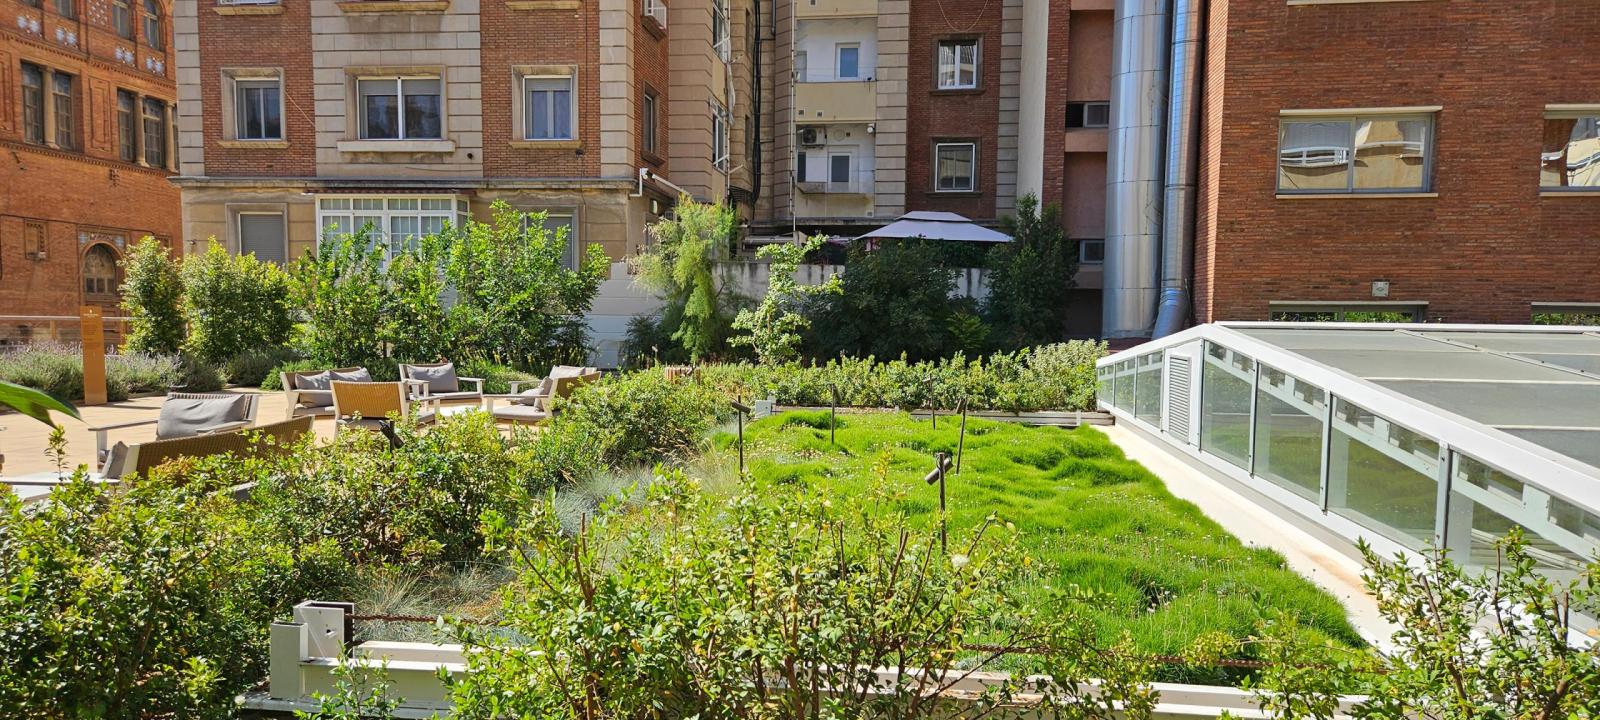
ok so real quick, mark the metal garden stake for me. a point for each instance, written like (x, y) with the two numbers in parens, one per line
(961, 442)
(936, 475)
(740, 410)
(833, 413)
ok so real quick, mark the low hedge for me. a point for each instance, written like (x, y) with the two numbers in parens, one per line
(1050, 377)
(58, 370)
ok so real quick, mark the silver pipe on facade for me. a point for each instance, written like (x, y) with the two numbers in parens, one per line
(1134, 165)
(1183, 155)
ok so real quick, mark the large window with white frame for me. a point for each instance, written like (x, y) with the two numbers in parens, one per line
(847, 61)
(719, 136)
(1570, 159)
(400, 108)
(957, 64)
(549, 110)
(258, 108)
(392, 222)
(1355, 153)
(955, 167)
(719, 28)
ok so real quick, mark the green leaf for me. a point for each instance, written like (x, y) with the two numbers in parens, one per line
(33, 403)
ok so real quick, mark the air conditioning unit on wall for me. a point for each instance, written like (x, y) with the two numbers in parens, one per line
(657, 10)
(811, 137)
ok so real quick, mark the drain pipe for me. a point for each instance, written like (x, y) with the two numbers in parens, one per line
(1134, 167)
(1183, 154)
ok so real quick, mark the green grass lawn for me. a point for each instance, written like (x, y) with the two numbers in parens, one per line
(1092, 517)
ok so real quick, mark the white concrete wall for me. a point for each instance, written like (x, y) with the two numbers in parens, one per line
(818, 39)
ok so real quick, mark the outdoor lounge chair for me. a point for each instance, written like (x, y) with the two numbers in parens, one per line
(129, 459)
(366, 404)
(186, 415)
(310, 392)
(440, 383)
(537, 395)
(532, 409)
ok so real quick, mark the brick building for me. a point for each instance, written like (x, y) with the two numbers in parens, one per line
(886, 106)
(88, 90)
(1434, 160)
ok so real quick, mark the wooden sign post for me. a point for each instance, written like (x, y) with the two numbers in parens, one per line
(93, 333)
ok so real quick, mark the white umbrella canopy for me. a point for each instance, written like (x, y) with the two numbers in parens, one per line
(936, 226)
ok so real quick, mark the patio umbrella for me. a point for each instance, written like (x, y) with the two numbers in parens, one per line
(936, 226)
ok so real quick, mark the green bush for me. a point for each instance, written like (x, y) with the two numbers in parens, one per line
(152, 294)
(640, 418)
(136, 601)
(682, 267)
(1050, 377)
(234, 303)
(251, 367)
(895, 300)
(58, 370)
(1029, 277)
(496, 378)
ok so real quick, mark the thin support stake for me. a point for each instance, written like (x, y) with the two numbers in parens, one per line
(941, 460)
(961, 441)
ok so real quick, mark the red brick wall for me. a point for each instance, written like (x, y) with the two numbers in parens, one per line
(1057, 70)
(650, 69)
(88, 188)
(1482, 250)
(539, 37)
(239, 41)
(952, 115)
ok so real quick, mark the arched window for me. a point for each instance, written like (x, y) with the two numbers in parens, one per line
(152, 24)
(99, 271)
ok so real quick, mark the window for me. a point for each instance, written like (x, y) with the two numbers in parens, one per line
(1373, 312)
(127, 126)
(1226, 385)
(1382, 475)
(155, 133)
(1091, 252)
(122, 18)
(33, 103)
(1088, 114)
(152, 24)
(64, 8)
(262, 234)
(394, 223)
(656, 10)
(802, 63)
(958, 64)
(33, 240)
(648, 121)
(1354, 154)
(549, 113)
(955, 167)
(61, 93)
(839, 172)
(556, 223)
(399, 108)
(800, 161)
(1289, 422)
(1571, 157)
(719, 136)
(257, 109)
(719, 27)
(1564, 314)
(99, 271)
(848, 57)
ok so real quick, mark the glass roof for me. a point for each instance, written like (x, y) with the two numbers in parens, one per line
(1539, 385)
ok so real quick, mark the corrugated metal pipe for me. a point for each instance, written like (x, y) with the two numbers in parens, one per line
(1151, 167)
(1183, 156)
(1134, 166)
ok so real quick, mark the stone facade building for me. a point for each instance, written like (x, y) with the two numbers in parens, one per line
(85, 122)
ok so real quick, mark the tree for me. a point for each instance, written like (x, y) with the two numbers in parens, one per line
(516, 301)
(234, 303)
(341, 294)
(152, 293)
(1029, 277)
(773, 327)
(682, 268)
(895, 299)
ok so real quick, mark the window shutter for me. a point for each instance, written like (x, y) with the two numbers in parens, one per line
(263, 235)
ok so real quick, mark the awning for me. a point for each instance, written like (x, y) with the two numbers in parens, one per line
(936, 226)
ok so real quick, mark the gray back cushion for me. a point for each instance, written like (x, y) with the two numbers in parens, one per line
(315, 390)
(359, 374)
(440, 378)
(189, 416)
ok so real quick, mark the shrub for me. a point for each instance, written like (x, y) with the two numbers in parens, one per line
(682, 268)
(252, 367)
(143, 600)
(773, 327)
(1029, 277)
(640, 418)
(152, 294)
(496, 378)
(341, 294)
(234, 303)
(895, 300)
(58, 370)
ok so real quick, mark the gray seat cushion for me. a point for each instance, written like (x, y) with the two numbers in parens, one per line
(187, 417)
(315, 390)
(112, 469)
(536, 395)
(520, 414)
(440, 378)
(462, 395)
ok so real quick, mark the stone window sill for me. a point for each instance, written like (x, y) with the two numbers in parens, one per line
(1584, 192)
(954, 193)
(1345, 2)
(1357, 196)
(546, 144)
(274, 9)
(542, 4)
(958, 91)
(652, 26)
(254, 144)
(652, 158)
(397, 146)
(394, 6)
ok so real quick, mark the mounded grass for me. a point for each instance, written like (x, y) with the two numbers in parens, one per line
(1092, 517)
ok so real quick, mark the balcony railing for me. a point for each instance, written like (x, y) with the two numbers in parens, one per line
(856, 183)
(836, 101)
(835, 8)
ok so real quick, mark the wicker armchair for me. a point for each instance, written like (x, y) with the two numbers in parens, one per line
(254, 441)
(177, 419)
(525, 412)
(439, 382)
(364, 404)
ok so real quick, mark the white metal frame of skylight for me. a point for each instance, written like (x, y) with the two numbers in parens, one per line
(1551, 494)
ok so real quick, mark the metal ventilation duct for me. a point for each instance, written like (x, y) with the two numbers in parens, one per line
(1134, 167)
(1183, 146)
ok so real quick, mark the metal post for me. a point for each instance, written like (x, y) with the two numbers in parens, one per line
(739, 410)
(961, 441)
(941, 464)
(833, 413)
(933, 407)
